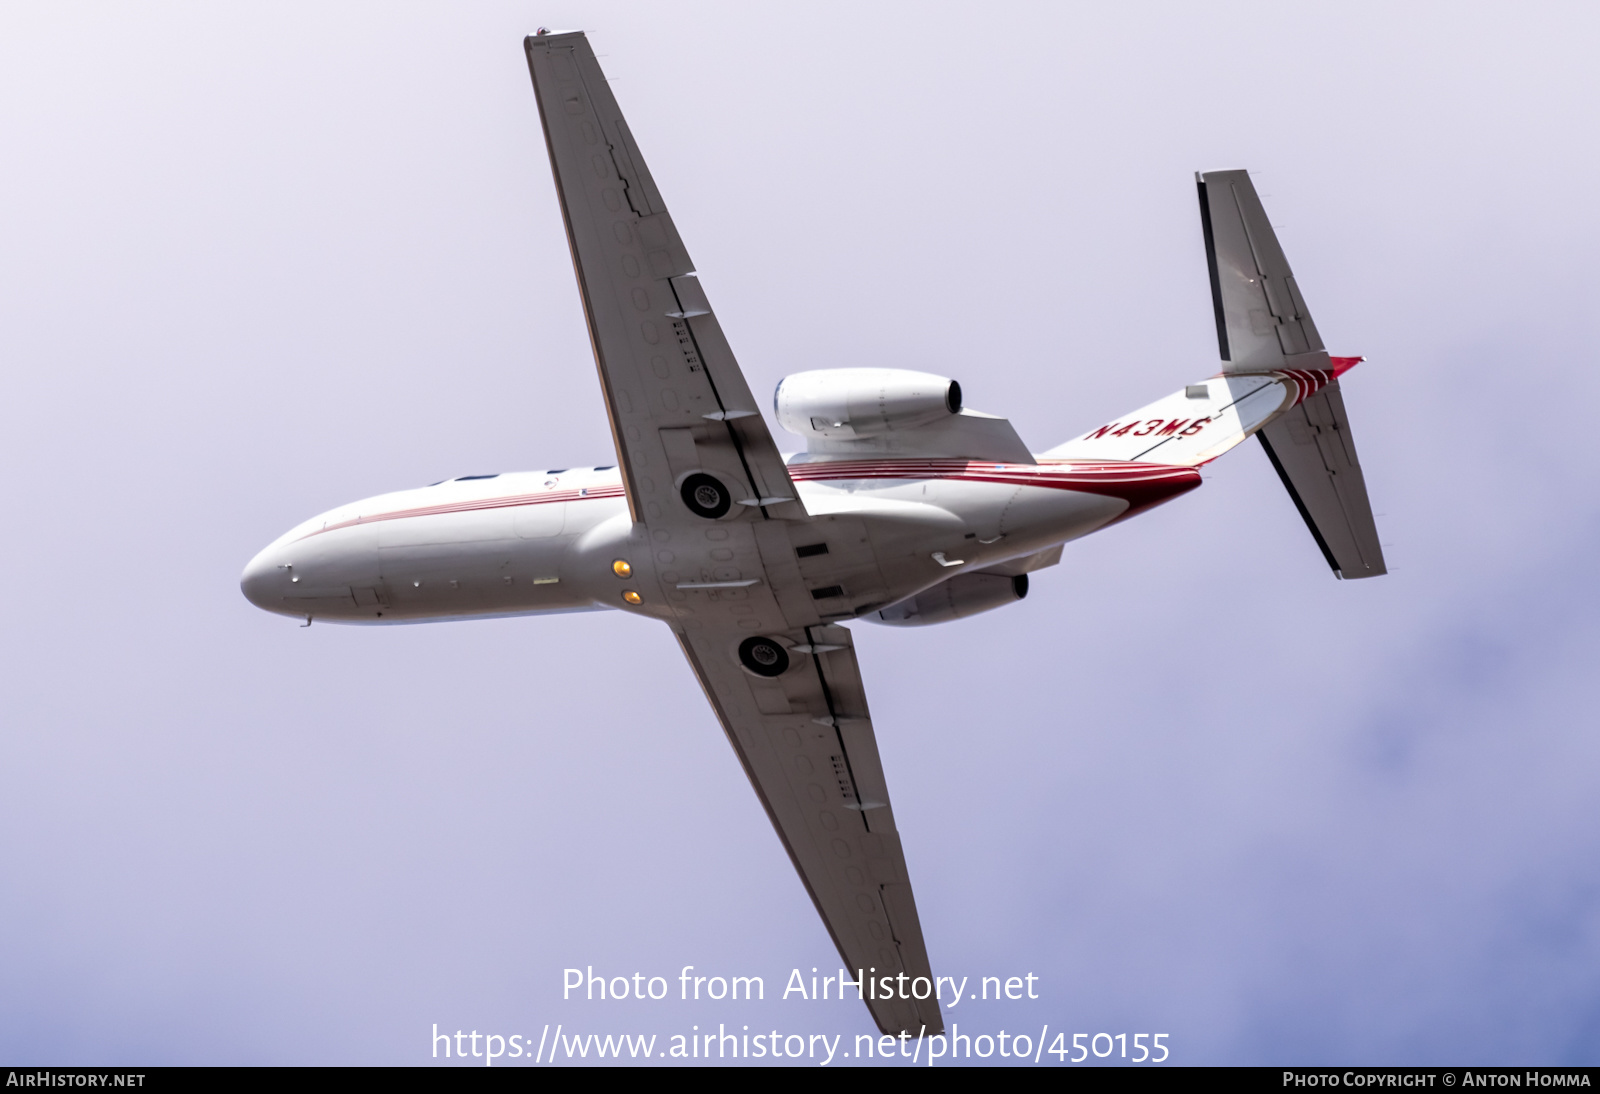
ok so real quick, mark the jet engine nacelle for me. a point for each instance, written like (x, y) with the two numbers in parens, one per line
(863, 402)
(961, 596)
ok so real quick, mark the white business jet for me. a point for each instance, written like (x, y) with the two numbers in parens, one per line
(906, 508)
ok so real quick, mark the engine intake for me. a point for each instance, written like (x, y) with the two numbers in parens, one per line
(961, 596)
(840, 403)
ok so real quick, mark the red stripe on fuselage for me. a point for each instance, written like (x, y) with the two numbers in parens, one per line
(1141, 485)
(478, 505)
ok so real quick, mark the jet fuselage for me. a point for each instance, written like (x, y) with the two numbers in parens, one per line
(526, 543)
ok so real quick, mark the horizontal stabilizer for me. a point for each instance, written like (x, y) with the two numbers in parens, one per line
(1262, 321)
(1264, 326)
(1315, 456)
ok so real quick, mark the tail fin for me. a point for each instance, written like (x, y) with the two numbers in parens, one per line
(1277, 382)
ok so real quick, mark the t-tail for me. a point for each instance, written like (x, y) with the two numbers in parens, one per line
(1277, 383)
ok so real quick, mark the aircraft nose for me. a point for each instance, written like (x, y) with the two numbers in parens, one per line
(261, 580)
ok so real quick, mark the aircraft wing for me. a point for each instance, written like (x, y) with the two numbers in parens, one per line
(751, 569)
(673, 390)
(806, 742)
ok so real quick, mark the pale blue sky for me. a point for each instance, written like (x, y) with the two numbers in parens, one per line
(255, 263)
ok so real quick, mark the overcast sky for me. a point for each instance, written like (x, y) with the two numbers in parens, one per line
(259, 261)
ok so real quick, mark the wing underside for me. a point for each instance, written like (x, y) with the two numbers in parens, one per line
(673, 390)
(680, 407)
(806, 742)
